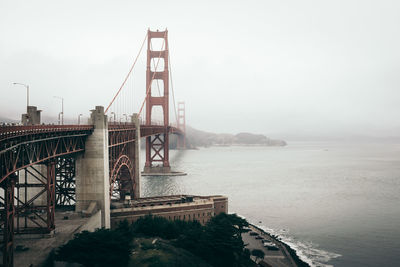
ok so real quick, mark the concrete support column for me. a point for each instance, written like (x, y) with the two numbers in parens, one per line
(92, 169)
(32, 117)
(137, 172)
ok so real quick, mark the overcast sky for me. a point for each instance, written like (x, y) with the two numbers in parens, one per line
(273, 67)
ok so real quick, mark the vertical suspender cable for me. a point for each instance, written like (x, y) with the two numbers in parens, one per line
(127, 76)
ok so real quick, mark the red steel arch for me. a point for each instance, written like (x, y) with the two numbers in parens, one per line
(123, 172)
(23, 147)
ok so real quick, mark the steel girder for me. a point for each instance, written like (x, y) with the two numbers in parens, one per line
(157, 145)
(121, 145)
(32, 145)
(117, 132)
(9, 212)
(23, 147)
(35, 199)
(122, 178)
(147, 130)
(121, 134)
(65, 182)
(51, 194)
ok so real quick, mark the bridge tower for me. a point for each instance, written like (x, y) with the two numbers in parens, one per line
(181, 125)
(157, 147)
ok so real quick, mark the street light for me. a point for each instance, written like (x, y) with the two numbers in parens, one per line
(113, 113)
(62, 110)
(27, 94)
(79, 119)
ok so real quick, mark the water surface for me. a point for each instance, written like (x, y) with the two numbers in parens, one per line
(335, 203)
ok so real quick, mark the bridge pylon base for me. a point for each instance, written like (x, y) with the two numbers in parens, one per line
(160, 171)
(157, 169)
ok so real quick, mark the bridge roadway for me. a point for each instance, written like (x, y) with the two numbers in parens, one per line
(85, 164)
(43, 166)
(24, 146)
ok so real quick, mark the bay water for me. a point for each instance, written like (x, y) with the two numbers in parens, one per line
(335, 203)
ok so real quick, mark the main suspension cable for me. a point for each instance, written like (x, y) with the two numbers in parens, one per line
(172, 86)
(127, 76)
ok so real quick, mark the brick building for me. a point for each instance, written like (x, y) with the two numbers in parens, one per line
(177, 207)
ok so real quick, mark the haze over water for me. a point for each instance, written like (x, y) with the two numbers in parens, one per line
(335, 203)
(288, 68)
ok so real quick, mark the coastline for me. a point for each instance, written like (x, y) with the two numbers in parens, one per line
(250, 145)
(290, 252)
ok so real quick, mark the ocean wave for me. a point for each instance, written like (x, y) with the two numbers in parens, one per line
(307, 251)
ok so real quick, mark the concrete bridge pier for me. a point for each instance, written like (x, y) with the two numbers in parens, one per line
(137, 173)
(92, 170)
(37, 172)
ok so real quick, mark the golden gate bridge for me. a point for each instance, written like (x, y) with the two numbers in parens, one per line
(47, 166)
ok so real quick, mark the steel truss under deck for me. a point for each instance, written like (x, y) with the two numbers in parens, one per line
(121, 147)
(31, 157)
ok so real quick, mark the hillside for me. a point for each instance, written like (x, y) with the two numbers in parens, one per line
(197, 138)
(7, 120)
(155, 241)
(159, 252)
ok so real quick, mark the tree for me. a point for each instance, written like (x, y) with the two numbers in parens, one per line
(219, 242)
(258, 253)
(222, 243)
(158, 226)
(103, 247)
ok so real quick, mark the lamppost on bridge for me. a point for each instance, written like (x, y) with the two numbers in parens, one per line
(113, 113)
(27, 94)
(62, 110)
(79, 119)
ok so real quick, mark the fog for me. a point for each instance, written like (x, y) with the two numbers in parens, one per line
(281, 68)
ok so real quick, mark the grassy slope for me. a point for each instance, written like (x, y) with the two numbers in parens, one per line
(150, 253)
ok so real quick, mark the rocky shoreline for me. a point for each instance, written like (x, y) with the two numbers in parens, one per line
(290, 251)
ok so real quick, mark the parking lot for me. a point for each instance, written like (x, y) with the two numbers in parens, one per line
(274, 258)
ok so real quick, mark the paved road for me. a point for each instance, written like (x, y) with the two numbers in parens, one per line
(39, 246)
(275, 258)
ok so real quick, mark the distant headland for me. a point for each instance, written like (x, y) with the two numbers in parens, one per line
(196, 138)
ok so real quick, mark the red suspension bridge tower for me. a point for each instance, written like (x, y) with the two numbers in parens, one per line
(157, 146)
(181, 125)
(87, 166)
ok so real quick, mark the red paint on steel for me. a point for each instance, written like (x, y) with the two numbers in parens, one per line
(182, 125)
(157, 147)
(121, 149)
(51, 194)
(124, 178)
(24, 146)
(7, 132)
(9, 211)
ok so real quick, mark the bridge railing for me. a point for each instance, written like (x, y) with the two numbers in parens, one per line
(124, 125)
(7, 132)
(119, 125)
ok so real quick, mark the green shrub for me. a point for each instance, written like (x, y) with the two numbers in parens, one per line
(219, 242)
(103, 247)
